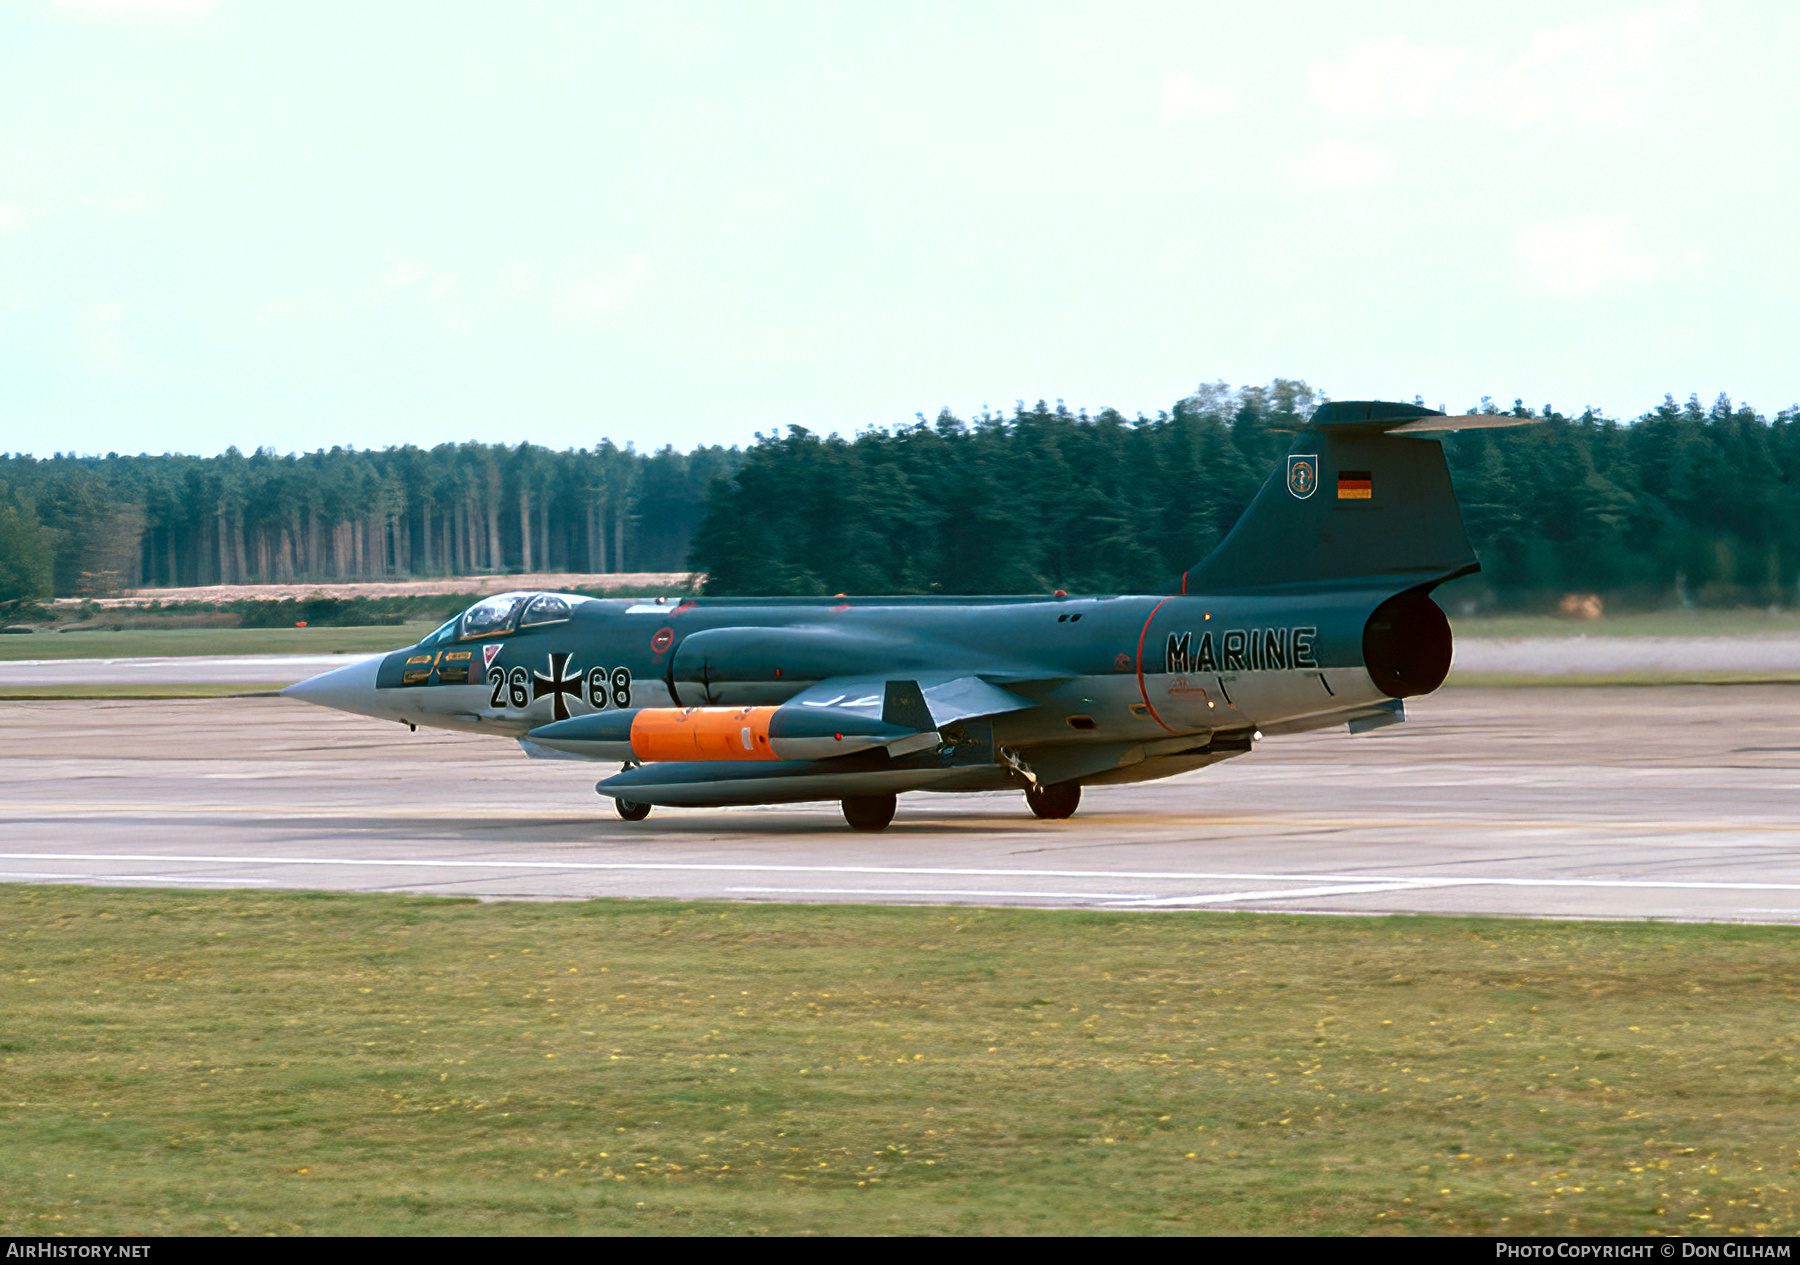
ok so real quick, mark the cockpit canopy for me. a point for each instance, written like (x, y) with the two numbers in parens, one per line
(504, 612)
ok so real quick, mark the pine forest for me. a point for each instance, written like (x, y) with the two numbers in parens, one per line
(1689, 504)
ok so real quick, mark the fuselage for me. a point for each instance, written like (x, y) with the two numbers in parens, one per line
(1123, 687)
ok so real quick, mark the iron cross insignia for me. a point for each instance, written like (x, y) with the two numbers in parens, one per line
(556, 685)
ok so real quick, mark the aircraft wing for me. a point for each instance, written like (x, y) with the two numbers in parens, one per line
(898, 714)
(949, 696)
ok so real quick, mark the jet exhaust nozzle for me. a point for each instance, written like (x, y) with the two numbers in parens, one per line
(1407, 645)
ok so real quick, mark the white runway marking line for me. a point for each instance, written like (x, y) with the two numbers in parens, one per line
(142, 878)
(1295, 893)
(1349, 882)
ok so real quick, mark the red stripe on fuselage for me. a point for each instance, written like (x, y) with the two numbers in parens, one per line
(1142, 688)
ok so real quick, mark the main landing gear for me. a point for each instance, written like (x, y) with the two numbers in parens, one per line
(869, 812)
(1053, 803)
(631, 810)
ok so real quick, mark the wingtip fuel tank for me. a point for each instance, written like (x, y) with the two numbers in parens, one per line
(646, 735)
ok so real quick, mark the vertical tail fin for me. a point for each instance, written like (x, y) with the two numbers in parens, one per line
(1352, 501)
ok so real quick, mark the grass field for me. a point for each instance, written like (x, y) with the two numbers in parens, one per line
(250, 1062)
(147, 643)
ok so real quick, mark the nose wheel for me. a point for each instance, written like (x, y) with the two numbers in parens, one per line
(631, 810)
(1053, 803)
(869, 812)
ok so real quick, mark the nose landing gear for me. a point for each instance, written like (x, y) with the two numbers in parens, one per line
(1054, 802)
(631, 810)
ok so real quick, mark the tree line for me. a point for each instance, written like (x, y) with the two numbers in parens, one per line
(1687, 503)
(74, 525)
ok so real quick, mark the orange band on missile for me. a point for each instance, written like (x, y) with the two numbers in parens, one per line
(702, 733)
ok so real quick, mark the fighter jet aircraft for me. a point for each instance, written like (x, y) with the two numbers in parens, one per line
(1315, 611)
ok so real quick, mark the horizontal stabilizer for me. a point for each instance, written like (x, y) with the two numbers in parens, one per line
(1466, 421)
(1379, 417)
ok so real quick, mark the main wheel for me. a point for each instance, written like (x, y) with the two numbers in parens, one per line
(869, 812)
(1053, 803)
(631, 810)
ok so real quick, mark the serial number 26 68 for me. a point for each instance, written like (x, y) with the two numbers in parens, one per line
(517, 689)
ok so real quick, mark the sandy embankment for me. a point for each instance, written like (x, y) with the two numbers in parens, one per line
(398, 588)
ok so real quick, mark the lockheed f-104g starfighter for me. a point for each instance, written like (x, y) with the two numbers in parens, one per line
(1314, 611)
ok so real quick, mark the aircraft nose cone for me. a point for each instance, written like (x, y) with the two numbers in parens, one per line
(350, 688)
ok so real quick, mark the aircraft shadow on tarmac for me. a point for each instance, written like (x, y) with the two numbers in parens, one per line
(604, 828)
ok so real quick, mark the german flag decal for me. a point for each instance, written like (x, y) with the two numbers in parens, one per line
(1355, 485)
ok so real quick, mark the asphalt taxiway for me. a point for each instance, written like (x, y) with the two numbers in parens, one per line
(1656, 802)
(250, 671)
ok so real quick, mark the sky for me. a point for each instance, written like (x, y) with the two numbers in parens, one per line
(300, 225)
